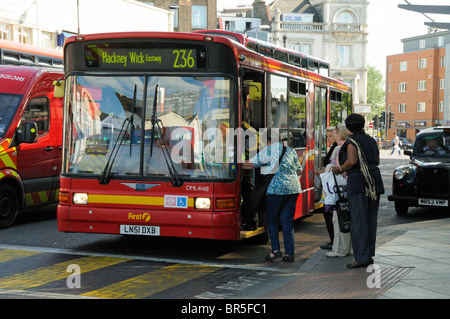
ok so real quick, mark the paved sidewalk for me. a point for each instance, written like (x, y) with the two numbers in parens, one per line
(415, 264)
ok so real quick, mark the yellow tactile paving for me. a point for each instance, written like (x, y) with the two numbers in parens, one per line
(44, 275)
(13, 254)
(152, 282)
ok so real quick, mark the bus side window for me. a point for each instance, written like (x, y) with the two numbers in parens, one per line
(280, 56)
(297, 114)
(313, 66)
(294, 60)
(252, 46)
(304, 63)
(324, 69)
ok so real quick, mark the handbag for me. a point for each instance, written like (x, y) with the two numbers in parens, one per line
(343, 211)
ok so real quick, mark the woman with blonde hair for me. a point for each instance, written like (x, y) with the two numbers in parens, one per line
(341, 244)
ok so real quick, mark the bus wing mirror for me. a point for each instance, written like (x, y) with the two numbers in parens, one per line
(58, 88)
(255, 91)
(29, 135)
(31, 132)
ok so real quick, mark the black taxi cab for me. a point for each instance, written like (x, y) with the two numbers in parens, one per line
(425, 181)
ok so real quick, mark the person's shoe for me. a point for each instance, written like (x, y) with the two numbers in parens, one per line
(272, 255)
(356, 264)
(333, 253)
(288, 258)
(327, 246)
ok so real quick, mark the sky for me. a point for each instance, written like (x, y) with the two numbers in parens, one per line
(387, 25)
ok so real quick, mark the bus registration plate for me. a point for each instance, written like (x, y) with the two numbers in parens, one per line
(433, 202)
(139, 230)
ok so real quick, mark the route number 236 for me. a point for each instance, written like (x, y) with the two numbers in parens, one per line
(183, 59)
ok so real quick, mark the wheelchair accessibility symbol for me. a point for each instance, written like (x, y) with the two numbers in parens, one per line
(175, 201)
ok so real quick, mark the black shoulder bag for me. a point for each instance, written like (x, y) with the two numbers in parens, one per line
(342, 210)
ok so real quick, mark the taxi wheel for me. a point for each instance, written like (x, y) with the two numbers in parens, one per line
(401, 208)
(8, 206)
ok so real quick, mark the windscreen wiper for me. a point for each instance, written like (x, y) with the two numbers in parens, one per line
(106, 174)
(133, 107)
(176, 181)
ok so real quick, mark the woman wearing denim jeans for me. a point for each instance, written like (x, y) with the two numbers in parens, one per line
(282, 194)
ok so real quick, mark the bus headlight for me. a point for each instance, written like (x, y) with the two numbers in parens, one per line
(80, 198)
(202, 203)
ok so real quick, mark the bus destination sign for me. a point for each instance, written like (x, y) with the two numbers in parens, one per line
(135, 58)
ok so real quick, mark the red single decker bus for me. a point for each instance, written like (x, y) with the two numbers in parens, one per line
(14, 53)
(158, 124)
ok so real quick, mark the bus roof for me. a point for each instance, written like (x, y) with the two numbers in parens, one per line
(27, 48)
(134, 35)
(244, 39)
(223, 37)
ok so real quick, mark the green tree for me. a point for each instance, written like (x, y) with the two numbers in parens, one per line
(375, 90)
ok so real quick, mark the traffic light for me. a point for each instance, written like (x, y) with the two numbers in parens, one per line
(391, 119)
(376, 121)
(383, 118)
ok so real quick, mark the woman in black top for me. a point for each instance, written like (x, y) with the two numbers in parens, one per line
(359, 157)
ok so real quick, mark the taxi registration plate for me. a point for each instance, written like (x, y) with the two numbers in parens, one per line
(139, 230)
(433, 202)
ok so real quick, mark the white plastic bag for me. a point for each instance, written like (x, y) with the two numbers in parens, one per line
(329, 188)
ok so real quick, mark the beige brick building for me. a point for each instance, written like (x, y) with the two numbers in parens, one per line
(191, 15)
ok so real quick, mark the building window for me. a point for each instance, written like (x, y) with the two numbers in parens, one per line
(305, 48)
(404, 66)
(441, 106)
(422, 44)
(422, 63)
(230, 25)
(402, 108)
(199, 17)
(422, 85)
(344, 55)
(441, 84)
(296, 17)
(5, 31)
(174, 8)
(24, 35)
(442, 60)
(345, 17)
(421, 107)
(402, 87)
(47, 40)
